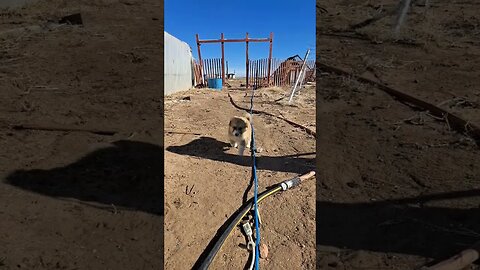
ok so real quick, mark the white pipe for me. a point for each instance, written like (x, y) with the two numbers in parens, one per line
(404, 7)
(252, 263)
(299, 75)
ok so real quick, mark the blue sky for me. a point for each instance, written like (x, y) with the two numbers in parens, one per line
(292, 23)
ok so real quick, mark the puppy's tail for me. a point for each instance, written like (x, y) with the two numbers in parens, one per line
(248, 116)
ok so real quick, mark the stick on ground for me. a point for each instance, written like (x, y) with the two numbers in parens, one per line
(452, 120)
(63, 128)
(309, 131)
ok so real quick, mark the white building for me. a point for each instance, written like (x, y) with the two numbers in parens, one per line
(178, 65)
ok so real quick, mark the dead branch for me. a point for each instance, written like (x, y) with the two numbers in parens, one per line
(452, 121)
(309, 131)
(63, 128)
(373, 19)
(358, 36)
(182, 132)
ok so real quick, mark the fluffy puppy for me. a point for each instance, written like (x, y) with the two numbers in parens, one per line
(240, 132)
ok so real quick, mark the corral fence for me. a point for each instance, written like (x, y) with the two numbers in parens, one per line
(282, 72)
(197, 73)
(211, 69)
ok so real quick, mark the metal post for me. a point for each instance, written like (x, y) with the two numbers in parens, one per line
(223, 61)
(248, 72)
(270, 59)
(200, 60)
(299, 75)
(246, 40)
(404, 6)
(302, 78)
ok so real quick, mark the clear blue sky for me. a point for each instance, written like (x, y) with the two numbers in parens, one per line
(292, 23)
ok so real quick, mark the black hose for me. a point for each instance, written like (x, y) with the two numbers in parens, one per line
(216, 243)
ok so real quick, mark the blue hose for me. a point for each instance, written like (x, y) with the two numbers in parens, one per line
(255, 190)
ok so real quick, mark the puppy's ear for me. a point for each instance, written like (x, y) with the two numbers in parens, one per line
(248, 116)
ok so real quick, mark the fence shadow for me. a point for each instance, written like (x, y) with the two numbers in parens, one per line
(402, 226)
(210, 148)
(129, 174)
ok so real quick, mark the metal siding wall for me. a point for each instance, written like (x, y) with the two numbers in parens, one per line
(178, 71)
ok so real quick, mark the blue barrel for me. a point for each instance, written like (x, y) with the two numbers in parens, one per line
(215, 83)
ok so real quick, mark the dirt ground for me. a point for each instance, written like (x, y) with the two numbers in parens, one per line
(396, 188)
(218, 178)
(77, 200)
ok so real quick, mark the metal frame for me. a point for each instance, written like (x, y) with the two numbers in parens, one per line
(222, 40)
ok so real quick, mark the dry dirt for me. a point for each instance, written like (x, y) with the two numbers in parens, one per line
(77, 200)
(374, 149)
(218, 178)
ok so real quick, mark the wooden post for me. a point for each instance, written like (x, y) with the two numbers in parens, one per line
(223, 60)
(200, 60)
(248, 72)
(270, 59)
(246, 40)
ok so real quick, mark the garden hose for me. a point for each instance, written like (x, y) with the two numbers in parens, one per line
(217, 242)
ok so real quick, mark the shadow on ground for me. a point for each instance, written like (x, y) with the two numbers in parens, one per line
(128, 174)
(404, 226)
(210, 148)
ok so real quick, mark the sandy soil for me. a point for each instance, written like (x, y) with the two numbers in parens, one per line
(374, 150)
(220, 178)
(76, 200)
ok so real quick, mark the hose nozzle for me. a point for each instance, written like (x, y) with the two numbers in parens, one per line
(296, 181)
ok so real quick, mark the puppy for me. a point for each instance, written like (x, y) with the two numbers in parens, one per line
(240, 132)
